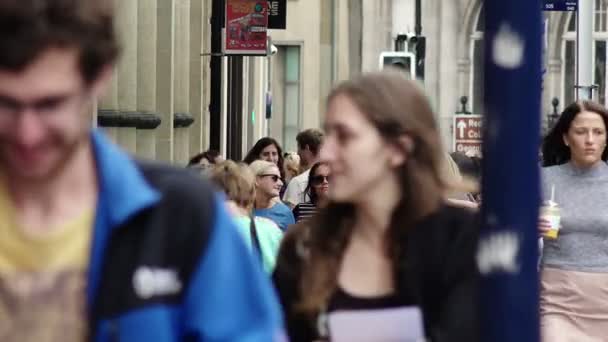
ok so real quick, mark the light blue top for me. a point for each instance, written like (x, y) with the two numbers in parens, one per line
(279, 213)
(269, 236)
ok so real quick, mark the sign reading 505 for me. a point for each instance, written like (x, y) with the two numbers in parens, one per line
(560, 5)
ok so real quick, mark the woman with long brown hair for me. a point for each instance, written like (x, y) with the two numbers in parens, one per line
(317, 189)
(574, 265)
(388, 257)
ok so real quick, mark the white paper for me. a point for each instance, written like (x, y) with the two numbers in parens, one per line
(383, 325)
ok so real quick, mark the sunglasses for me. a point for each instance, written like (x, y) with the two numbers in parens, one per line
(275, 178)
(318, 180)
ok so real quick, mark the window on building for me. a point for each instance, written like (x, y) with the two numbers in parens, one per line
(477, 63)
(286, 75)
(600, 38)
(569, 57)
(291, 114)
(600, 16)
(569, 71)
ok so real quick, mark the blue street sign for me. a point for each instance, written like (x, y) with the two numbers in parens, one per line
(560, 5)
(508, 246)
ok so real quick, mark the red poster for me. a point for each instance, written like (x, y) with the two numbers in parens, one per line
(246, 27)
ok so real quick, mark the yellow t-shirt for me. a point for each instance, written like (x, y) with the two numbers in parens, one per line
(43, 279)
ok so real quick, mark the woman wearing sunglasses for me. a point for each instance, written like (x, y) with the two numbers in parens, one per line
(317, 190)
(268, 187)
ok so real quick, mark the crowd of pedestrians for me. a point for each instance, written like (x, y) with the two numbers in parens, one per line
(98, 245)
(367, 232)
(343, 214)
(363, 231)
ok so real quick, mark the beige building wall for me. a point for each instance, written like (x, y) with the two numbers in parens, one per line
(164, 73)
(205, 72)
(376, 17)
(320, 28)
(303, 29)
(342, 60)
(161, 72)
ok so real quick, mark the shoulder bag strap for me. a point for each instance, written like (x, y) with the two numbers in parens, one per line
(255, 241)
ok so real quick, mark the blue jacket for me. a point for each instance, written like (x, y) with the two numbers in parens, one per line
(167, 263)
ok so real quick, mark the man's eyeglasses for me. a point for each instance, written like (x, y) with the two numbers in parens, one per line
(10, 107)
(275, 178)
(318, 180)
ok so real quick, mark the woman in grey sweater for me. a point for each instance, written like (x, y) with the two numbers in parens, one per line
(574, 271)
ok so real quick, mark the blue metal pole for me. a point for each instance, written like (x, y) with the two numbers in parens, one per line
(508, 248)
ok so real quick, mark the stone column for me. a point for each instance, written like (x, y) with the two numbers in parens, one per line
(126, 16)
(326, 49)
(146, 79)
(181, 122)
(257, 84)
(108, 107)
(431, 23)
(552, 86)
(206, 72)
(376, 32)
(553, 83)
(355, 28)
(464, 76)
(181, 81)
(448, 69)
(196, 76)
(342, 45)
(164, 76)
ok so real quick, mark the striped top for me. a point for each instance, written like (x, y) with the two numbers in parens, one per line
(304, 210)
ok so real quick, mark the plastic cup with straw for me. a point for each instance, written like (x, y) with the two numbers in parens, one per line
(550, 212)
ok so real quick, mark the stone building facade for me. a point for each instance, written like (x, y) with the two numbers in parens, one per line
(157, 106)
(454, 56)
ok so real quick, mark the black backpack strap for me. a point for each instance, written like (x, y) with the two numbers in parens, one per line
(255, 241)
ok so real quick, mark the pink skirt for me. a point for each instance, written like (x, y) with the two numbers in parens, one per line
(573, 306)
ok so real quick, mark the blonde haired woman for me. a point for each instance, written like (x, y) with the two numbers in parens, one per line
(262, 235)
(268, 187)
(291, 164)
